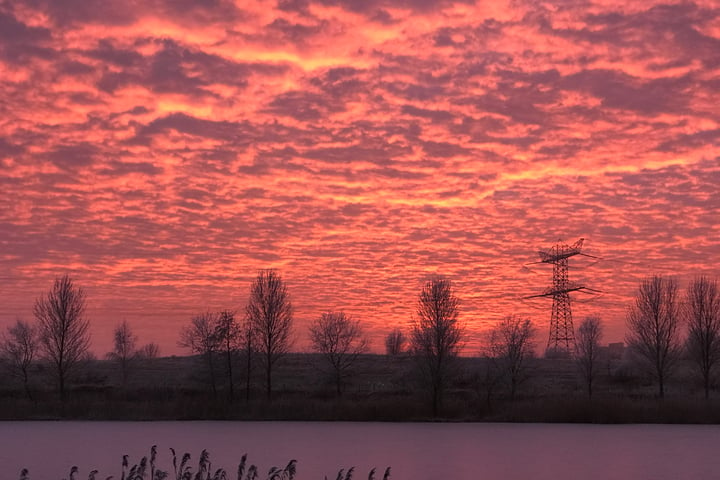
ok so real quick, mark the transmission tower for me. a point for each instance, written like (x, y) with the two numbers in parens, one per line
(561, 341)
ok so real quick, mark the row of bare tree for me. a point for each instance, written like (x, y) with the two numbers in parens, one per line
(61, 336)
(654, 321)
(265, 331)
(655, 324)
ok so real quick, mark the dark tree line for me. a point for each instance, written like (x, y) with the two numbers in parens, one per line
(263, 336)
(265, 332)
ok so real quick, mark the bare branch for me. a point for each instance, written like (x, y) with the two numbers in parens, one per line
(395, 342)
(18, 347)
(269, 311)
(588, 348)
(510, 345)
(124, 351)
(200, 337)
(64, 330)
(702, 313)
(341, 340)
(229, 335)
(653, 323)
(149, 350)
(436, 336)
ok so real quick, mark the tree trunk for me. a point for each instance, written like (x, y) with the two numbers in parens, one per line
(268, 378)
(123, 371)
(230, 373)
(61, 380)
(26, 383)
(229, 360)
(212, 375)
(247, 377)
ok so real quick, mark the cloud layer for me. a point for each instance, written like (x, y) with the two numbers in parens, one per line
(162, 152)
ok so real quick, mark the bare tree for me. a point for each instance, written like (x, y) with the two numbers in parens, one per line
(436, 336)
(200, 338)
(703, 316)
(395, 342)
(18, 348)
(340, 339)
(510, 345)
(653, 323)
(149, 350)
(228, 333)
(588, 349)
(269, 313)
(64, 330)
(124, 348)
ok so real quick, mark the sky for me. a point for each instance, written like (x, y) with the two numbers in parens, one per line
(162, 152)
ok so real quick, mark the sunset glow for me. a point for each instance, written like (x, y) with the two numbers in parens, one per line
(162, 152)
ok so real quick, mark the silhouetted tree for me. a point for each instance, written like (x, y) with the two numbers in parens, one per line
(702, 313)
(395, 342)
(18, 348)
(436, 336)
(228, 334)
(63, 328)
(653, 323)
(270, 315)
(340, 340)
(510, 345)
(200, 338)
(588, 350)
(124, 348)
(149, 350)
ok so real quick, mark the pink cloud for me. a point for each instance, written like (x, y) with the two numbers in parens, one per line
(162, 154)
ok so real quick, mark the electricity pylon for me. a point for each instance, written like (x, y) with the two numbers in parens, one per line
(561, 341)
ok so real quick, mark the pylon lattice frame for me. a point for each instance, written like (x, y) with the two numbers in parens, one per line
(561, 340)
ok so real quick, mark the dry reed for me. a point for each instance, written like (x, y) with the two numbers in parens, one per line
(184, 471)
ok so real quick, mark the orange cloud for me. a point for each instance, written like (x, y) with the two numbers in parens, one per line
(162, 155)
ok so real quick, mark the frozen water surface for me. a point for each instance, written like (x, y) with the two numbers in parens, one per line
(415, 451)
